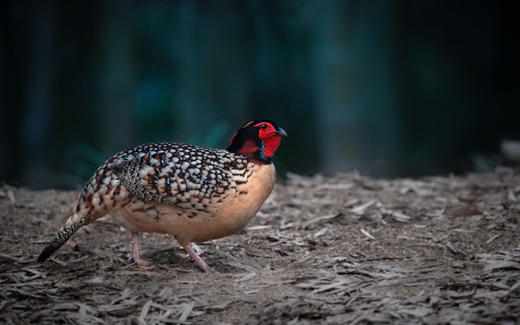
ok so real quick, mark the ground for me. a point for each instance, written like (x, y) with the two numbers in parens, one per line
(345, 249)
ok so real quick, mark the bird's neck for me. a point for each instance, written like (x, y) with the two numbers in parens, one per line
(260, 152)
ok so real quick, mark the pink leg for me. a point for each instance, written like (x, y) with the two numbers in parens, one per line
(135, 250)
(197, 259)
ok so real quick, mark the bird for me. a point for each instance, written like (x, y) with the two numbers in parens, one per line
(194, 193)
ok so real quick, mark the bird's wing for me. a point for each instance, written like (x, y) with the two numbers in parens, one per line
(178, 174)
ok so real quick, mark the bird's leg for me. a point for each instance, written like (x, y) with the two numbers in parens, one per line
(198, 259)
(135, 250)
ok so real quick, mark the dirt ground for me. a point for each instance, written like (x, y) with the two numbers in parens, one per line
(348, 249)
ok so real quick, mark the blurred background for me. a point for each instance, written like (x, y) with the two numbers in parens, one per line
(389, 88)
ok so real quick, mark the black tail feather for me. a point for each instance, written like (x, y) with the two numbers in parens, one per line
(61, 237)
(47, 251)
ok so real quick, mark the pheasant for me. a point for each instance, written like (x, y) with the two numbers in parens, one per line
(193, 193)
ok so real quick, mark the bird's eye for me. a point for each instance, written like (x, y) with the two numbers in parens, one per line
(263, 126)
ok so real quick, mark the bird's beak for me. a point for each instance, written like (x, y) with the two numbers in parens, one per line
(281, 132)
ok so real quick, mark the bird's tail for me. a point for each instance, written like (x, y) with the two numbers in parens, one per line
(61, 237)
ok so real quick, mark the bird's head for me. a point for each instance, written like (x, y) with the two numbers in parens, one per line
(258, 140)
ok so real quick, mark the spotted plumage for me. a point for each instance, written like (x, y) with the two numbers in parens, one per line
(193, 193)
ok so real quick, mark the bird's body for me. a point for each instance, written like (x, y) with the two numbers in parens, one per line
(194, 193)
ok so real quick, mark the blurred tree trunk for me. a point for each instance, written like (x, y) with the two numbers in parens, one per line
(114, 120)
(35, 127)
(4, 135)
(192, 95)
(353, 88)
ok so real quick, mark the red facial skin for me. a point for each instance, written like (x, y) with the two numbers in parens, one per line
(270, 137)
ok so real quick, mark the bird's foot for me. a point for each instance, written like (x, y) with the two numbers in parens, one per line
(139, 261)
(207, 268)
(135, 251)
(200, 262)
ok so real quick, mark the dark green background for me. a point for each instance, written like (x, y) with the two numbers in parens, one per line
(391, 88)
